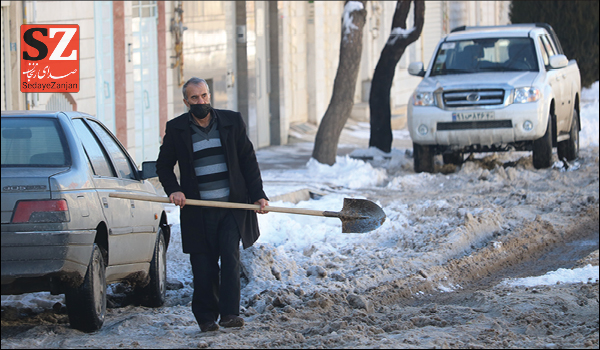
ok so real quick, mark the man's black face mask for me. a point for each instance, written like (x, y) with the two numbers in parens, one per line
(200, 110)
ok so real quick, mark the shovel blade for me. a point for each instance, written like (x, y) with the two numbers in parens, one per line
(360, 216)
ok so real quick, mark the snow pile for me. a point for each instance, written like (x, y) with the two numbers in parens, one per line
(347, 172)
(588, 137)
(578, 275)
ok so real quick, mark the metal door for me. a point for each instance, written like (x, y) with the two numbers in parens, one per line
(145, 80)
(105, 86)
(262, 77)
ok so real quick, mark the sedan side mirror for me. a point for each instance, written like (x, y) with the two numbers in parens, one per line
(148, 170)
(416, 68)
(558, 61)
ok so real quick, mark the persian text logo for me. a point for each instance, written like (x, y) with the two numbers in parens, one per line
(50, 58)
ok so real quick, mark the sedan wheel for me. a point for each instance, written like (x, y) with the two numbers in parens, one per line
(86, 304)
(154, 294)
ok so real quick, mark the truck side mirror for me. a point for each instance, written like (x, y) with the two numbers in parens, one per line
(148, 170)
(416, 69)
(558, 61)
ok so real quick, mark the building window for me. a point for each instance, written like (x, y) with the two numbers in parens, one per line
(144, 9)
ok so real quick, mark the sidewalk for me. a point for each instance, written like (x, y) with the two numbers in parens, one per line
(295, 155)
(355, 135)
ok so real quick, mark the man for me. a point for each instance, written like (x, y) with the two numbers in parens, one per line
(216, 162)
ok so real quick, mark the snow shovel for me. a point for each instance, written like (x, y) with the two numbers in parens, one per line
(357, 215)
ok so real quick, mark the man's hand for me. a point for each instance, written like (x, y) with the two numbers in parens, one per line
(263, 203)
(177, 198)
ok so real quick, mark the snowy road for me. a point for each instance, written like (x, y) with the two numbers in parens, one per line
(440, 272)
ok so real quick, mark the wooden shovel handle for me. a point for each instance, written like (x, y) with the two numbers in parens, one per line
(232, 205)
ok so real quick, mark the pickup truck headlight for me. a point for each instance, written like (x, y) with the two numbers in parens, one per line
(527, 94)
(421, 98)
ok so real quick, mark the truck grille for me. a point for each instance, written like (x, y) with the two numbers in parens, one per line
(469, 98)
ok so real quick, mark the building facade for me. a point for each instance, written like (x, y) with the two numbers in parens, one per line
(274, 61)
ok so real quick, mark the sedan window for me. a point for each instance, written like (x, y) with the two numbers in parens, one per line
(124, 167)
(96, 154)
(37, 142)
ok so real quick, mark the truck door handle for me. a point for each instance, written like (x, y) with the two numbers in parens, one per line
(105, 202)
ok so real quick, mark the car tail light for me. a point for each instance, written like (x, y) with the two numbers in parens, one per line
(55, 210)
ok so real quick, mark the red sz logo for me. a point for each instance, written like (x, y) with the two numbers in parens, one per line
(50, 58)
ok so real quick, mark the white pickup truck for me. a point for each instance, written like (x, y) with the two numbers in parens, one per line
(492, 89)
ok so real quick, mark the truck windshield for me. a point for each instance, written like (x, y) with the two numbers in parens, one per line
(485, 55)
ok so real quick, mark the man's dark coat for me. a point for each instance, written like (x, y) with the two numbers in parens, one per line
(245, 183)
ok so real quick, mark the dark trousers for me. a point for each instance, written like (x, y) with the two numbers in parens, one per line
(217, 290)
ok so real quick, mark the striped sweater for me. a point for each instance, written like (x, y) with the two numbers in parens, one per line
(210, 164)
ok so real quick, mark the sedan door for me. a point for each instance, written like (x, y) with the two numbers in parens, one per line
(130, 241)
(143, 220)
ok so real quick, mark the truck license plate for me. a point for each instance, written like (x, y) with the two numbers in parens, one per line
(471, 116)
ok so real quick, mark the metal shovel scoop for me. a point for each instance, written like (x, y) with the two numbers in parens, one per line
(357, 215)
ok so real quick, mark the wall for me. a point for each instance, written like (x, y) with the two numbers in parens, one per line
(330, 46)
(294, 62)
(205, 49)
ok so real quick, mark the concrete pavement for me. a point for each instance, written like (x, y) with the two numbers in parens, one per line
(298, 152)
(355, 135)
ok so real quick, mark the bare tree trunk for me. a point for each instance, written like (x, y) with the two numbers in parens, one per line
(379, 97)
(342, 100)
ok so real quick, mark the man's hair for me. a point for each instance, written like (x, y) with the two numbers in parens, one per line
(194, 81)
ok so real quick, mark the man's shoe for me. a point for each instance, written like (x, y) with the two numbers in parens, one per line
(209, 327)
(231, 321)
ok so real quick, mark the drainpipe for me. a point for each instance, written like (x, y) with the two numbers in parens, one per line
(24, 10)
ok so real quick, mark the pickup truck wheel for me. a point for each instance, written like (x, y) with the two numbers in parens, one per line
(455, 158)
(542, 148)
(86, 304)
(423, 157)
(154, 294)
(569, 149)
